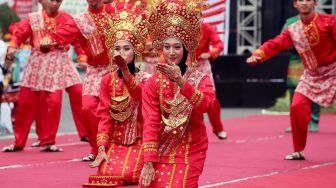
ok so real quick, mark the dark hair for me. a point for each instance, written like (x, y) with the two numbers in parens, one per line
(183, 63)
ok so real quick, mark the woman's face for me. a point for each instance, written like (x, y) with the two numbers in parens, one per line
(172, 50)
(125, 50)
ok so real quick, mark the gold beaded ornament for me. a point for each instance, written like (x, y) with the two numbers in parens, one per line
(176, 19)
(128, 22)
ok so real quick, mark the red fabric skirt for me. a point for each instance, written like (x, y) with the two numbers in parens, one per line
(92, 79)
(319, 86)
(175, 176)
(50, 71)
(124, 168)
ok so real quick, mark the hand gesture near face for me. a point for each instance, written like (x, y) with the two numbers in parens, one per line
(120, 62)
(173, 72)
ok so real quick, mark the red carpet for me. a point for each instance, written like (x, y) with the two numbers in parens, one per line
(251, 157)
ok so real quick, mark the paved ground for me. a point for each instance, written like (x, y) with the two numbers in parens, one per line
(252, 157)
(67, 125)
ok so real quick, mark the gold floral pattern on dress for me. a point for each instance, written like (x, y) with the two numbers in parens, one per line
(176, 18)
(101, 20)
(127, 23)
(312, 32)
(120, 105)
(176, 110)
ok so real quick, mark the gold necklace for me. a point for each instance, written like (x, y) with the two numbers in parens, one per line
(120, 108)
(175, 102)
(49, 22)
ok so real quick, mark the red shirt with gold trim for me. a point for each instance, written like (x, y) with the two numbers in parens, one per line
(320, 31)
(210, 38)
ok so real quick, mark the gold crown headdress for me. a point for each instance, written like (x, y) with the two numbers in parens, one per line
(176, 18)
(128, 22)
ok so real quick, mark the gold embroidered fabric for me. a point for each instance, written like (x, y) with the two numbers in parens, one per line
(150, 146)
(178, 19)
(129, 24)
(312, 32)
(124, 111)
(101, 20)
(261, 53)
(176, 110)
(120, 105)
(102, 138)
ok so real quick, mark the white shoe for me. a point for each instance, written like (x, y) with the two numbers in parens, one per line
(36, 144)
(90, 157)
(295, 156)
(222, 135)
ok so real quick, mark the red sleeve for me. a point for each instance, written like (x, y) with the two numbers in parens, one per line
(66, 33)
(199, 97)
(333, 27)
(103, 112)
(136, 93)
(216, 43)
(152, 118)
(134, 88)
(274, 46)
(81, 55)
(22, 33)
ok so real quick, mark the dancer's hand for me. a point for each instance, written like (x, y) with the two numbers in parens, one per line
(100, 157)
(45, 44)
(82, 66)
(6, 81)
(205, 56)
(173, 72)
(11, 53)
(147, 174)
(120, 62)
(253, 60)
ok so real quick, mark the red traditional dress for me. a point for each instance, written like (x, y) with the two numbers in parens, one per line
(46, 75)
(174, 134)
(175, 137)
(210, 38)
(88, 28)
(119, 109)
(315, 41)
(120, 130)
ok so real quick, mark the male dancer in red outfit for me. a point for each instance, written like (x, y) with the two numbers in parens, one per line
(89, 28)
(74, 93)
(46, 75)
(210, 38)
(314, 38)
